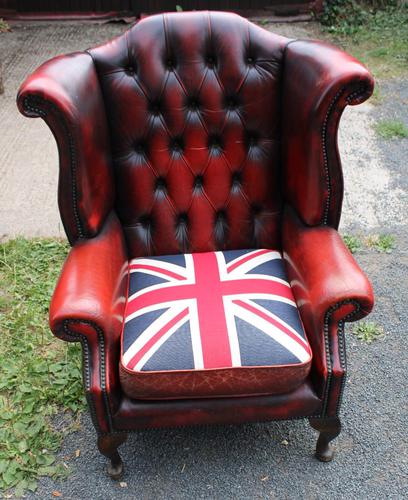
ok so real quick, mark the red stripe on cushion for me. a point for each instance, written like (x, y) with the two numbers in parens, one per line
(138, 356)
(245, 258)
(273, 321)
(160, 270)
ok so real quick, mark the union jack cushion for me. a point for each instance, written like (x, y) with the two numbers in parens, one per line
(210, 325)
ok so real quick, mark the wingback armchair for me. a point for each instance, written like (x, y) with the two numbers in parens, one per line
(200, 188)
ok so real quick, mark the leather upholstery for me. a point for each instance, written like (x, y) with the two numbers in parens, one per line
(329, 288)
(194, 132)
(211, 324)
(193, 106)
(137, 414)
(58, 91)
(319, 81)
(88, 306)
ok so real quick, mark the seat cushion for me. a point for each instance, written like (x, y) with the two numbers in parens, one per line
(210, 325)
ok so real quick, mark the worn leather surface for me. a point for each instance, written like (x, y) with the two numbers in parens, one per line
(134, 414)
(237, 381)
(193, 103)
(65, 92)
(197, 131)
(319, 80)
(328, 285)
(88, 306)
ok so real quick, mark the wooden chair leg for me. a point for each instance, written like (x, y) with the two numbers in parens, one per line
(329, 428)
(108, 445)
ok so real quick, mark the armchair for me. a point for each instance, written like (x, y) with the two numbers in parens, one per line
(200, 188)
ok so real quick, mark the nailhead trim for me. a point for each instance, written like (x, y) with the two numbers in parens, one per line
(325, 153)
(342, 350)
(343, 363)
(70, 335)
(41, 107)
(357, 94)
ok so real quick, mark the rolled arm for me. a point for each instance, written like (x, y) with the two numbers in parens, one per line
(323, 274)
(88, 306)
(329, 289)
(319, 81)
(65, 92)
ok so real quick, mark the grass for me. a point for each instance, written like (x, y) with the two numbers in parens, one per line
(353, 243)
(368, 331)
(376, 36)
(39, 374)
(4, 26)
(390, 129)
(383, 243)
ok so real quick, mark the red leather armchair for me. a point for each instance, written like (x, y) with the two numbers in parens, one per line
(193, 133)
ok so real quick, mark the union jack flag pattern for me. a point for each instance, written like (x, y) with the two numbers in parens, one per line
(211, 310)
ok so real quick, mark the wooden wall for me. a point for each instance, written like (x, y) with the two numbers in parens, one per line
(138, 6)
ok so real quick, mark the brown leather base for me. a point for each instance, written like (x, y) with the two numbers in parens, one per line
(134, 414)
(217, 383)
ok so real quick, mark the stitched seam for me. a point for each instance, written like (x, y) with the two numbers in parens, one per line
(343, 364)
(325, 153)
(356, 95)
(32, 103)
(87, 366)
(342, 352)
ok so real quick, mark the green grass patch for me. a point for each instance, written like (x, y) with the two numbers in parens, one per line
(39, 374)
(391, 129)
(4, 26)
(368, 331)
(353, 243)
(377, 97)
(376, 33)
(383, 243)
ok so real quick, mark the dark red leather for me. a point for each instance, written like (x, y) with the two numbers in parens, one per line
(328, 286)
(193, 103)
(196, 128)
(88, 306)
(237, 381)
(134, 414)
(65, 92)
(319, 81)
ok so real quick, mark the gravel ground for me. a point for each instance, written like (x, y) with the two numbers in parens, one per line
(249, 461)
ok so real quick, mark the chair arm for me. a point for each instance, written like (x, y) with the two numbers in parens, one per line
(88, 306)
(323, 274)
(65, 92)
(319, 81)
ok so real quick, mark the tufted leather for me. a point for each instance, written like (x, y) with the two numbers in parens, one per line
(191, 132)
(193, 107)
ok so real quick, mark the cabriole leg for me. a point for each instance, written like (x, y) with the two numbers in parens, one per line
(329, 428)
(108, 445)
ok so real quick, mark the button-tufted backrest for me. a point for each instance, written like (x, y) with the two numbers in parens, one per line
(193, 108)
